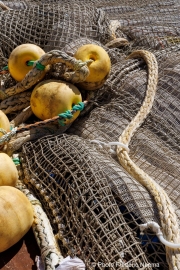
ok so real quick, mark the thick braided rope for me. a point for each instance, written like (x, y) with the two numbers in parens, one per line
(21, 117)
(7, 135)
(79, 73)
(168, 217)
(16, 103)
(42, 229)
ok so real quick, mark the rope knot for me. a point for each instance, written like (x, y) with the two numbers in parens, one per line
(109, 144)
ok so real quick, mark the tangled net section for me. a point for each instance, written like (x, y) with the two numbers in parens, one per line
(94, 205)
(149, 148)
(75, 186)
(155, 145)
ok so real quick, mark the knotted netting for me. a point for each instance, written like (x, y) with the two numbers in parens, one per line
(74, 183)
(155, 145)
(96, 206)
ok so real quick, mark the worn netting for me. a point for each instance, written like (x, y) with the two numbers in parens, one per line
(74, 187)
(155, 146)
(151, 23)
(94, 205)
(52, 26)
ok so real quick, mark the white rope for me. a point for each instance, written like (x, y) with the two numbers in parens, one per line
(109, 144)
(156, 229)
(6, 137)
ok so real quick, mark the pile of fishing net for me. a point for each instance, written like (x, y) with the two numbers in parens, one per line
(94, 201)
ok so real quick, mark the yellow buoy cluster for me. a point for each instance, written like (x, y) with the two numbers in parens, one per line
(16, 212)
(49, 98)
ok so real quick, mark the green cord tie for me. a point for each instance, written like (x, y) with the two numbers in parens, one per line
(16, 161)
(69, 114)
(39, 66)
(66, 114)
(78, 107)
(5, 68)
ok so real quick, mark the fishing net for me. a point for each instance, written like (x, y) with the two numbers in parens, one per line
(155, 146)
(76, 183)
(94, 205)
(52, 26)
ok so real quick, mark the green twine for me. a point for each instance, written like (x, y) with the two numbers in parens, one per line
(5, 68)
(78, 107)
(16, 161)
(69, 114)
(65, 115)
(39, 66)
(30, 63)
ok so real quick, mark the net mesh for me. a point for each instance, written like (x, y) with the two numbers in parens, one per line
(78, 184)
(52, 26)
(94, 196)
(155, 146)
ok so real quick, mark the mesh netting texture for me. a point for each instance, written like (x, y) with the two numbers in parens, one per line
(74, 188)
(155, 146)
(54, 28)
(146, 23)
(93, 204)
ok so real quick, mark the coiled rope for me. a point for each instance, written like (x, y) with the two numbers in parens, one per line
(78, 72)
(167, 215)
